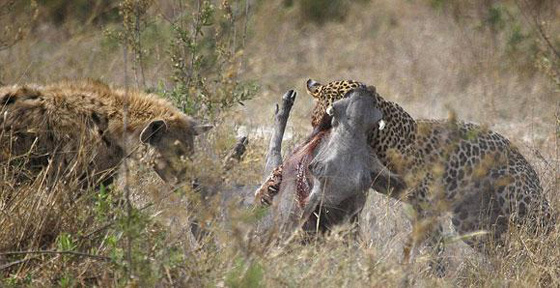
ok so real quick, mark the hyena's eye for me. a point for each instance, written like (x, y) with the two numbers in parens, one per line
(180, 150)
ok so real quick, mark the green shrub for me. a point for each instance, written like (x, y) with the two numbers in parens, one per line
(206, 54)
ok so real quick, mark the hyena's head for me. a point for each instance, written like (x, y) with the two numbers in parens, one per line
(172, 143)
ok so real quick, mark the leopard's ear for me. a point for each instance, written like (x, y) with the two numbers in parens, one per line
(313, 88)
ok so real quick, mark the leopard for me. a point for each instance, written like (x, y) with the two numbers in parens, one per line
(449, 166)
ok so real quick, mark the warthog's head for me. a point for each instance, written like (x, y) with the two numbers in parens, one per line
(172, 141)
(345, 166)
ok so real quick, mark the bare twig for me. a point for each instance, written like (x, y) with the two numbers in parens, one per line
(195, 32)
(557, 176)
(25, 72)
(6, 266)
(247, 7)
(73, 253)
(234, 37)
(126, 169)
(138, 46)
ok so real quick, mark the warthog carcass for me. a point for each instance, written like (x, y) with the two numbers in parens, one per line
(325, 182)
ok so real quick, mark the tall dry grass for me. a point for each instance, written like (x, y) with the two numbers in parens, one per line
(431, 57)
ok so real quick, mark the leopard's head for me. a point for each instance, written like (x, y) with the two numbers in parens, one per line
(326, 94)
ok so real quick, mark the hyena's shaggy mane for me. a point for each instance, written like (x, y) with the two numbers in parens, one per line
(62, 104)
(65, 117)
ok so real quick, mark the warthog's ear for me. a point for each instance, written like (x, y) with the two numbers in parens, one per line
(338, 108)
(202, 128)
(330, 110)
(153, 132)
(313, 87)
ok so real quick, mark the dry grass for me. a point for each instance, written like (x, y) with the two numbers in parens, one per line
(416, 54)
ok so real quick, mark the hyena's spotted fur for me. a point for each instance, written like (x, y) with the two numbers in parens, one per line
(75, 128)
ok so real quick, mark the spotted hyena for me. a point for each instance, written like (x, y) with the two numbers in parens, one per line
(75, 128)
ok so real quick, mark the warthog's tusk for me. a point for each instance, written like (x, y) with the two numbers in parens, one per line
(330, 111)
(381, 124)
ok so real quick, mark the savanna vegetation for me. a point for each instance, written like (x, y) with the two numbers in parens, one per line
(493, 62)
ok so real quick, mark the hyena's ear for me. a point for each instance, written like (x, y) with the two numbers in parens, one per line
(313, 87)
(202, 128)
(100, 122)
(153, 132)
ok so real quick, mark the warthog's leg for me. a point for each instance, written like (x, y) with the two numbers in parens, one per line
(385, 181)
(274, 154)
(273, 166)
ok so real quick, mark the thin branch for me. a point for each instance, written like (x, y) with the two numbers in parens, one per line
(138, 46)
(557, 176)
(98, 230)
(6, 266)
(126, 169)
(247, 7)
(73, 253)
(196, 27)
(234, 37)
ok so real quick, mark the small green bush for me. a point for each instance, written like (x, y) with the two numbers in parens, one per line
(206, 54)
